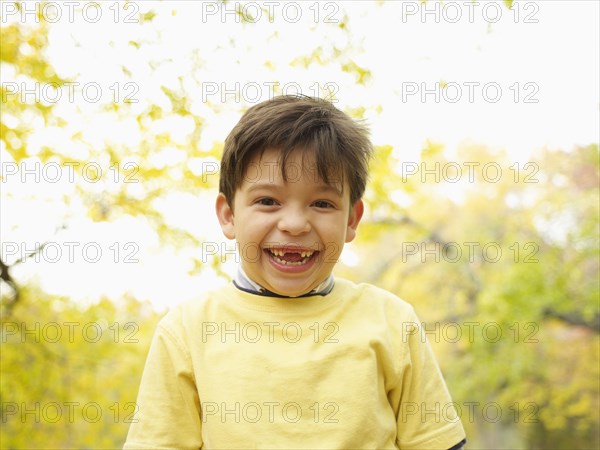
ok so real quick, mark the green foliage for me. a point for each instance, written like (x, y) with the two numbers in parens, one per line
(518, 330)
(70, 374)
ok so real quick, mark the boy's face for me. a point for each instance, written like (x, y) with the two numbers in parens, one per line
(289, 234)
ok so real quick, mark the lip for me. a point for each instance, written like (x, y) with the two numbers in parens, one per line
(292, 269)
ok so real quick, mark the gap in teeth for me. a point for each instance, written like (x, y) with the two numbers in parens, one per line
(304, 254)
(290, 263)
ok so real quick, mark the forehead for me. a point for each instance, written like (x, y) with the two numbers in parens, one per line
(300, 166)
(272, 156)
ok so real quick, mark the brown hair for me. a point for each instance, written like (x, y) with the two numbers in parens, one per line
(340, 145)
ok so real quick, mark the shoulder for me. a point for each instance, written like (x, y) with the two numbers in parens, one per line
(187, 316)
(375, 298)
(385, 315)
(370, 292)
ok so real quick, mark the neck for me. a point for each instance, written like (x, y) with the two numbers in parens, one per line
(245, 283)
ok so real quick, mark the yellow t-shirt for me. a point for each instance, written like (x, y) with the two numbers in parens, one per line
(349, 370)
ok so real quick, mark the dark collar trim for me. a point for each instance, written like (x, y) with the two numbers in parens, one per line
(266, 293)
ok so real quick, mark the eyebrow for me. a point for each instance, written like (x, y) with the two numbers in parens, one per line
(324, 188)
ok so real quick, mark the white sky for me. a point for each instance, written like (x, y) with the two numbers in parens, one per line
(554, 59)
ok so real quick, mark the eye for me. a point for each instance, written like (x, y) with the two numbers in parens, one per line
(266, 202)
(323, 204)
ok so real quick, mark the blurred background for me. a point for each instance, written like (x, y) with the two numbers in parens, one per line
(482, 205)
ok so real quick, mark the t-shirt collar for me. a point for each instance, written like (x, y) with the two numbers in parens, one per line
(243, 282)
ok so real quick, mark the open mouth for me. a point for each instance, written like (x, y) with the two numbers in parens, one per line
(290, 256)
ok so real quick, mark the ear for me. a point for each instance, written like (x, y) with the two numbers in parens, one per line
(356, 213)
(225, 216)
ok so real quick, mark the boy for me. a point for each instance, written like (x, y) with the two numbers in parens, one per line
(286, 357)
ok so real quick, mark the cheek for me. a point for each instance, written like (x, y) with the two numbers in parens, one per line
(332, 231)
(333, 243)
(251, 252)
(332, 252)
(252, 230)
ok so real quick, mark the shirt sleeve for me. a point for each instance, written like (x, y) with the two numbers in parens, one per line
(168, 406)
(426, 415)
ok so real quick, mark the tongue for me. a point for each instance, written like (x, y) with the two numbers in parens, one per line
(292, 257)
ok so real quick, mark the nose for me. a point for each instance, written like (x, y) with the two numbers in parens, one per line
(294, 221)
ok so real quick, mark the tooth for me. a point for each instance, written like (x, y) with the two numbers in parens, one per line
(278, 254)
